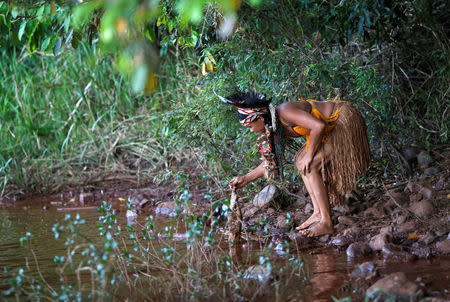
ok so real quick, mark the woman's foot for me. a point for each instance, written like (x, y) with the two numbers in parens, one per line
(310, 221)
(318, 229)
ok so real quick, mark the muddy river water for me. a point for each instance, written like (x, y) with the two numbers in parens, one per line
(328, 269)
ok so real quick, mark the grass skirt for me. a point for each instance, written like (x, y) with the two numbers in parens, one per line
(347, 154)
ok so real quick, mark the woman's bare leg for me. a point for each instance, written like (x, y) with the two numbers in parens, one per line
(324, 226)
(320, 221)
(315, 217)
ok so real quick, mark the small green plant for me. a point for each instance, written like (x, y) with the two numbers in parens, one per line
(149, 256)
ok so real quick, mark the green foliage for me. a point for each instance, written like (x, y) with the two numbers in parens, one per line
(61, 116)
(356, 51)
(40, 25)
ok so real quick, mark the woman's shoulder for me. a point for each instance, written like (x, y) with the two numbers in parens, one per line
(293, 106)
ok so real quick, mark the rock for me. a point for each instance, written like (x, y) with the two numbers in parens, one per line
(131, 219)
(324, 238)
(401, 219)
(283, 222)
(250, 211)
(424, 159)
(299, 239)
(431, 171)
(379, 241)
(443, 246)
(426, 192)
(340, 241)
(373, 212)
(258, 272)
(386, 230)
(412, 187)
(266, 196)
(338, 228)
(143, 202)
(366, 270)
(441, 233)
(270, 211)
(422, 208)
(442, 183)
(395, 251)
(422, 252)
(342, 209)
(398, 285)
(299, 215)
(166, 209)
(358, 249)
(308, 208)
(399, 198)
(410, 153)
(86, 197)
(352, 231)
(407, 227)
(415, 197)
(346, 220)
(300, 202)
(427, 238)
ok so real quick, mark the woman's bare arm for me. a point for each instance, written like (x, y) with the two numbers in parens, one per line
(292, 114)
(241, 181)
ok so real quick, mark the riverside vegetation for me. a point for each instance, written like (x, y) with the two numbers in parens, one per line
(79, 108)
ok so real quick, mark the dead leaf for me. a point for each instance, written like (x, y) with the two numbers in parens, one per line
(413, 236)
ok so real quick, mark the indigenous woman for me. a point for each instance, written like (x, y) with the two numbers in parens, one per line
(335, 153)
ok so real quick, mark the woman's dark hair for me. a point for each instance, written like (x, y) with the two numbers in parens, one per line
(249, 100)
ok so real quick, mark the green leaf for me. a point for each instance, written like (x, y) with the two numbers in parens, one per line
(67, 24)
(140, 77)
(40, 12)
(14, 12)
(57, 47)
(3, 18)
(45, 44)
(83, 12)
(254, 2)
(194, 38)
(22, 29)
(150, 34)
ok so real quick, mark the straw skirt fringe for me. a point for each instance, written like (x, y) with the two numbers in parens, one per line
(348, 154)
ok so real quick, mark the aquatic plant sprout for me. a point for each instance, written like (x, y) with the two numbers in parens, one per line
(150, 259)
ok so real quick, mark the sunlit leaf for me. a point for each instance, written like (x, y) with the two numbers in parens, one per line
(140, 78)
(52, 7)
(151, 83)
(22, 30)
(83, 12)
(209, 65)
(254, 2)
(121, 25)
(150, 34)
(57, 47)
(203, 69)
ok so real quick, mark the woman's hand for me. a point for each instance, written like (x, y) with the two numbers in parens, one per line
(304, 165)
(238, 182)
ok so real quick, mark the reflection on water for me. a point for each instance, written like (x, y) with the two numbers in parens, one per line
(328, 271)
(16, 222)
(325, 279)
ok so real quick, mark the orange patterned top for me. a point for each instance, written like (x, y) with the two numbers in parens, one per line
(317, 114)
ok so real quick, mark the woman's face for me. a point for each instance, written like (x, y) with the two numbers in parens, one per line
(257, 125)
